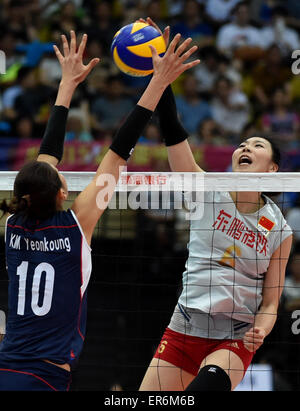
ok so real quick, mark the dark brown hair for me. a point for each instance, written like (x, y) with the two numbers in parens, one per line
(35, 190)
(276, 154)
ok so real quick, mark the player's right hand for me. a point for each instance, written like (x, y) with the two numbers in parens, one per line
(173, 63)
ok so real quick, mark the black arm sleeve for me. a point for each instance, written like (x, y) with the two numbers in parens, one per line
(54, 136)
(172, 130)
(130, 131)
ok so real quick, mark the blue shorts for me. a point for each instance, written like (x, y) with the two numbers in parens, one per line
(33, 375)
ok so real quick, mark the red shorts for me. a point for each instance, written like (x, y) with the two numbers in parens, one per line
(187, 352)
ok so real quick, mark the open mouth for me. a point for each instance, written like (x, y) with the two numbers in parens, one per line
(245, 160)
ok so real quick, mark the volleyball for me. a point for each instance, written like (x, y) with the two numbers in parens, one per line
(130, 48)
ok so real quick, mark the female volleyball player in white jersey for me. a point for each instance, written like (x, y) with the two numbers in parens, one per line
(238, 251)
(48, 252)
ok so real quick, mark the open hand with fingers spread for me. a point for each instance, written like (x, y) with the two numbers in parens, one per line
(172, 58)
(173, 63)
(73, 69)
(167, 69)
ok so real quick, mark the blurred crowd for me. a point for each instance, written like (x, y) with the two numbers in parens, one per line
(245, 82)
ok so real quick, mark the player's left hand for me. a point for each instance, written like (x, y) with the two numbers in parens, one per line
(254, 338)
(73, 69)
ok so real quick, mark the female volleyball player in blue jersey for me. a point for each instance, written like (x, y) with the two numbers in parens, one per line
(48, 251)
(238, 251)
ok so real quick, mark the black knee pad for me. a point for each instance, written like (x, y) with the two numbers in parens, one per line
(210, 378)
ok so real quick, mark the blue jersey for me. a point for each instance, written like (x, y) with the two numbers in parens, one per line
(49, 266)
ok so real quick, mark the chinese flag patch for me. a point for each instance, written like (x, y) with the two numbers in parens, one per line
(266, 223)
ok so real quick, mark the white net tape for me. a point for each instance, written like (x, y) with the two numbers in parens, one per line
(166, 181)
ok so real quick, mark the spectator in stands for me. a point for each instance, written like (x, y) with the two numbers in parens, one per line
(281, 121)
(267, 75)
(34, 100)
(230, 109)
(34, 51)
(174, 7)
(65, 18)
(49, 70)
(277, 32)
(261, 11)
(209, 133)
(191, 108)
(68, 19)
(95, 49)
(219, 11)
(110, 109)
(213, 64)
(151, 134)
(48, 8)
(250, 129)
(25, 80)
(8, 46)
(293, 13)
(293, 218)
(75, 129)
(239, 38)
(232, 69)
(102, 25)
(17, 18)
(95, 84)
(23, 127)
(192, 25)
(207, 72)
(154, 10)
(13, 60)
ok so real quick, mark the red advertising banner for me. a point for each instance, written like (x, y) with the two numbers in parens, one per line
(87, 156)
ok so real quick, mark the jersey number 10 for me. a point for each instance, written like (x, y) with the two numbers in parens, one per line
(44, 308)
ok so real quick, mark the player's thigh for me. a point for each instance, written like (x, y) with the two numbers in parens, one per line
(230, 362)
(164, 376)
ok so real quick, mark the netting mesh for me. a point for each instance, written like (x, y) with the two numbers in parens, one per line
(139, 256)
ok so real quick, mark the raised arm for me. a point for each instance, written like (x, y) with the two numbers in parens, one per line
(180, 155)
(91, 203)
(175, 136)
(73, 73)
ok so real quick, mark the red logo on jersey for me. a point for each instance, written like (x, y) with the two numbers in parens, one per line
(236, 229)
(266, 223)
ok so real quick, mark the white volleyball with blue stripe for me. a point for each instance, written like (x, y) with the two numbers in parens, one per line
(130, 48)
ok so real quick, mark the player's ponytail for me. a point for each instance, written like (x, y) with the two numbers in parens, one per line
(4, 207)
(13, 206)
(35, 191)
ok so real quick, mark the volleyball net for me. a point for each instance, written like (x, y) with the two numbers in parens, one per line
(139, 251)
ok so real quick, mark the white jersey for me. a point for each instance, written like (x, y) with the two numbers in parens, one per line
(229, 254)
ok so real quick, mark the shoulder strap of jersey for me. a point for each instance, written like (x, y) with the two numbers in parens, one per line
(5, 230)
(80, 228)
